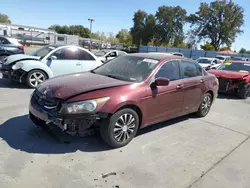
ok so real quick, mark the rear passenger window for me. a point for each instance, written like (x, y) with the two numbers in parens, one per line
(83, 55)
(188, 69)
(169, 70)
(199, 70)
(4, 41)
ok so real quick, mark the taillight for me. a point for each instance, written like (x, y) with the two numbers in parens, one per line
(21, 47)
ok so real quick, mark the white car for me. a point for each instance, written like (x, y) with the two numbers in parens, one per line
(106, 55)
(47, 62)
(208, 63)
(223, 58)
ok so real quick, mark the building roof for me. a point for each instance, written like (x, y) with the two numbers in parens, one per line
(26, 27)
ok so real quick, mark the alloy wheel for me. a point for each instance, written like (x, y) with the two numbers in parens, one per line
(36, 78)
(124, 127)
(206, 104)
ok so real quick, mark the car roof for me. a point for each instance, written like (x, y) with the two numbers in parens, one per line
(156, 56)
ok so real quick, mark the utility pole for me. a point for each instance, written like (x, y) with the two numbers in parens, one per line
(90, 28)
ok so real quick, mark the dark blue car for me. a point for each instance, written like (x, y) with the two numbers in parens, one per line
(9, 46)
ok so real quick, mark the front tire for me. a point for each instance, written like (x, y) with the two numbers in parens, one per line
(244, 91)
(35, 77)
(120, 128)
(205, 105)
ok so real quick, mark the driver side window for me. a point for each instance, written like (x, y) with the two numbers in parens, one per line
(112, 54)
(66, 54)
(170, 70)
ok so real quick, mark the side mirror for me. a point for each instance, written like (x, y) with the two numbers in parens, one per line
(52, 58)
(161, 81)
(213, 67)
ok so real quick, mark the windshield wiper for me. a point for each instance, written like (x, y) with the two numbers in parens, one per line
(113, 76)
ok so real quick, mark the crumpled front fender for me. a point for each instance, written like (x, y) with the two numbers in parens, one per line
(30, 65)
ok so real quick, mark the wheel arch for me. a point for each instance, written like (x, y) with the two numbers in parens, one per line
(135, 108)
(39, 70)
(211, 93)
(30, 65)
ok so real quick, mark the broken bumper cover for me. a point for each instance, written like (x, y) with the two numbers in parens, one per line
(70, 124)
(13, 75)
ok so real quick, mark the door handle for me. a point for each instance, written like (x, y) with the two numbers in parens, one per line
(180, 86)
(201, 80)
(78, 64)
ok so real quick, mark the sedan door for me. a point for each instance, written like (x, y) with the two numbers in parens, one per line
(65, 61)
(193, 85)
(165, 102)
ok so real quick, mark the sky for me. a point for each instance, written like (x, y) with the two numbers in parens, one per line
(109, 15)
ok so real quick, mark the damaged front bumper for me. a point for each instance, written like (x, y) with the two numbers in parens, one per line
(229, 85)
(71, 124)
(13, 75)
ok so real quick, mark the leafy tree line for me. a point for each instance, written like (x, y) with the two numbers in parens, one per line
(216, 24)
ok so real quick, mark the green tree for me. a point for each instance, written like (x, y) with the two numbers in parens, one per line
(242, 51)
(71, 30)
(4, 18)
(207, 47)
(138, 27)
(124, 37)
(149, 29)
(220, 22)
(170, 22)
(99, 36)
(225, 48)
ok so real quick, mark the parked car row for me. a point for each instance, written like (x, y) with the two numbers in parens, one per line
(47, 62)
(76, 92)
(9, 46)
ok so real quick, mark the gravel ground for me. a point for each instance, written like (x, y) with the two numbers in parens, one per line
(181, 153)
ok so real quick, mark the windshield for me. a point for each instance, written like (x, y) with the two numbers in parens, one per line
(100, 53)
(204, 61)
(221, 58)
(237, 67)
(128, 68)
(41, 52)
(13, 41)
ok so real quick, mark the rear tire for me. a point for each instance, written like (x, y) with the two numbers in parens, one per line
(205, 105)
(244, 91)
(120, 128)
(35, 77)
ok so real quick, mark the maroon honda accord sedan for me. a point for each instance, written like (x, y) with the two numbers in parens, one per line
(126, 94)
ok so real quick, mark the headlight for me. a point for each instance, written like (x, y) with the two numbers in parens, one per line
(87, 106)
(17, 66)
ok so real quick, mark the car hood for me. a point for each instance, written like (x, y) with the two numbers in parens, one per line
(228, 74)
(19, 57)
(67, 86)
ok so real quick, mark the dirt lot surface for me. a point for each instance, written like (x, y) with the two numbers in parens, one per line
(30, 49)
(211, 152)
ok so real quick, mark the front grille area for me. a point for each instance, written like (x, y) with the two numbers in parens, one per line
(49, 104)
(224, 84)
